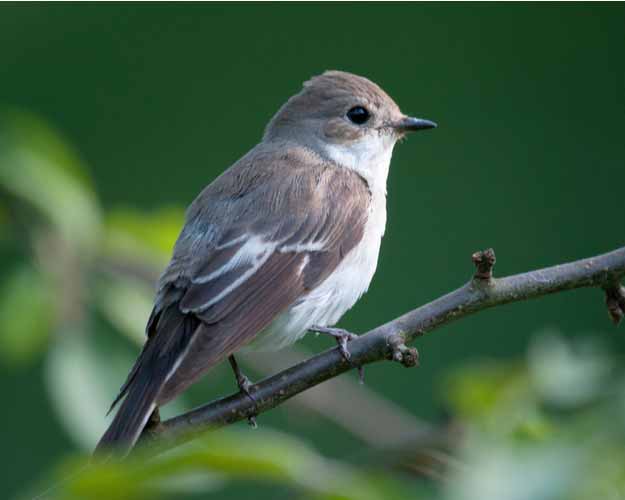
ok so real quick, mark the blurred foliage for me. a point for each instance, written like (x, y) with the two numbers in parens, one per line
(41, 170)
(157, 100)
(545, 427)
(523, 438)
(52, 204)
(150, 236)
(126, 301)
(227, 455)
(548, 428)
(26, 315)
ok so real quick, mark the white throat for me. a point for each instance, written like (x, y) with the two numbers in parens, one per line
(370, 158)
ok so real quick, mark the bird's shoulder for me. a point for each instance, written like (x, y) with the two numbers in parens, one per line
(278, 175)
(280, 197)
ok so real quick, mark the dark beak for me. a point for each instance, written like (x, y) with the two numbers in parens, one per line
(410, 124)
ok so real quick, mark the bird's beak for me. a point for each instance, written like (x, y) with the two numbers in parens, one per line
(410, 124)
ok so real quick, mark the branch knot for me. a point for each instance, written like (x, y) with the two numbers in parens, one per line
(401, 353)
(484, 261)
(615, 302)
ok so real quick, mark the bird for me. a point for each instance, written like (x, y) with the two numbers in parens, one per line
(283, 242)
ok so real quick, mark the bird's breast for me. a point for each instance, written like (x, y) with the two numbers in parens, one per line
(325, 304)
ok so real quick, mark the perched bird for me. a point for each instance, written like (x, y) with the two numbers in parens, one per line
(283, 242)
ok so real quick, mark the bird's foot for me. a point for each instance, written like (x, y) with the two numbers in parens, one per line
(244, 385)
(342, 337)
(407, 356)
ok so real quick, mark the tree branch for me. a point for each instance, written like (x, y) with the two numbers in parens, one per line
(389, 341)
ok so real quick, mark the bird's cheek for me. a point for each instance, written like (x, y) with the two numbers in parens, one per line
(338, 130)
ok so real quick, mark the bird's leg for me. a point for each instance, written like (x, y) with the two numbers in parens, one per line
(244, 384)
(342, 337)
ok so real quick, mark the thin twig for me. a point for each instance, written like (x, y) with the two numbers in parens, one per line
(349, 404)
(389, 341)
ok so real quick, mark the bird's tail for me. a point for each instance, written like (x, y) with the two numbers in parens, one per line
(133, 414)
(161, 355)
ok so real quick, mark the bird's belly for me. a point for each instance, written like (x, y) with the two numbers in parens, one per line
(325, 304)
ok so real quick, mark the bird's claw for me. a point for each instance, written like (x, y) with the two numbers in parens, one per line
(342, 337)
(342, 342)
(245, 385)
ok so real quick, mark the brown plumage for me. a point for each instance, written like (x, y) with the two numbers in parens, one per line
(261, 243)
(255, 196)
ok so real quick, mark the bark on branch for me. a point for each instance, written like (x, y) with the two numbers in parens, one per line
(388, 341)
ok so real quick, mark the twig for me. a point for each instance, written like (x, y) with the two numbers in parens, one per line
(350, 405)
(484, 262)
(615, 301)
(389, 341)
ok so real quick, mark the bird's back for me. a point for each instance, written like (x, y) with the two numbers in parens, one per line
(259, 240)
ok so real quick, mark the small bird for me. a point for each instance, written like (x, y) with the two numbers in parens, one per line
(284, 242)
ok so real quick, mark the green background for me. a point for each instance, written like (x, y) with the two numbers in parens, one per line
(529, 156)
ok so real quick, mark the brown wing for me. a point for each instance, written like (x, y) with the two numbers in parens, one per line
(245, 285)
(262, 235)
(256, 240)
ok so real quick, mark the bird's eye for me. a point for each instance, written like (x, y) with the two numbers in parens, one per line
(358, 115)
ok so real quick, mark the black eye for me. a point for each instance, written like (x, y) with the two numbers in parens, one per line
(358, 115)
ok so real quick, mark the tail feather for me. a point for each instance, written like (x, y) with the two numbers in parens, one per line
(130, 419)
(160, 357)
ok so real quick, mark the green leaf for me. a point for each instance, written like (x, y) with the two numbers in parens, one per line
(475, 390)
(26, 315)
(143, 237)
(39, 168)
(567, 374)
(127, 303)
(84, 372)
(499, 399)
(501, 471)
(229, 455)
(82, 379)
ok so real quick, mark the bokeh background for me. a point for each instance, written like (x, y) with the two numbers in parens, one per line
(114, 116)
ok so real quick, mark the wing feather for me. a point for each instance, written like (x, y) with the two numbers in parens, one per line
(255, 241)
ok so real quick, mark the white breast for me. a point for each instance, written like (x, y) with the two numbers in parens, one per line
(325, 304)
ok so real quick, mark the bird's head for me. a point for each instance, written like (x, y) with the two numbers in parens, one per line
(345, 118)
